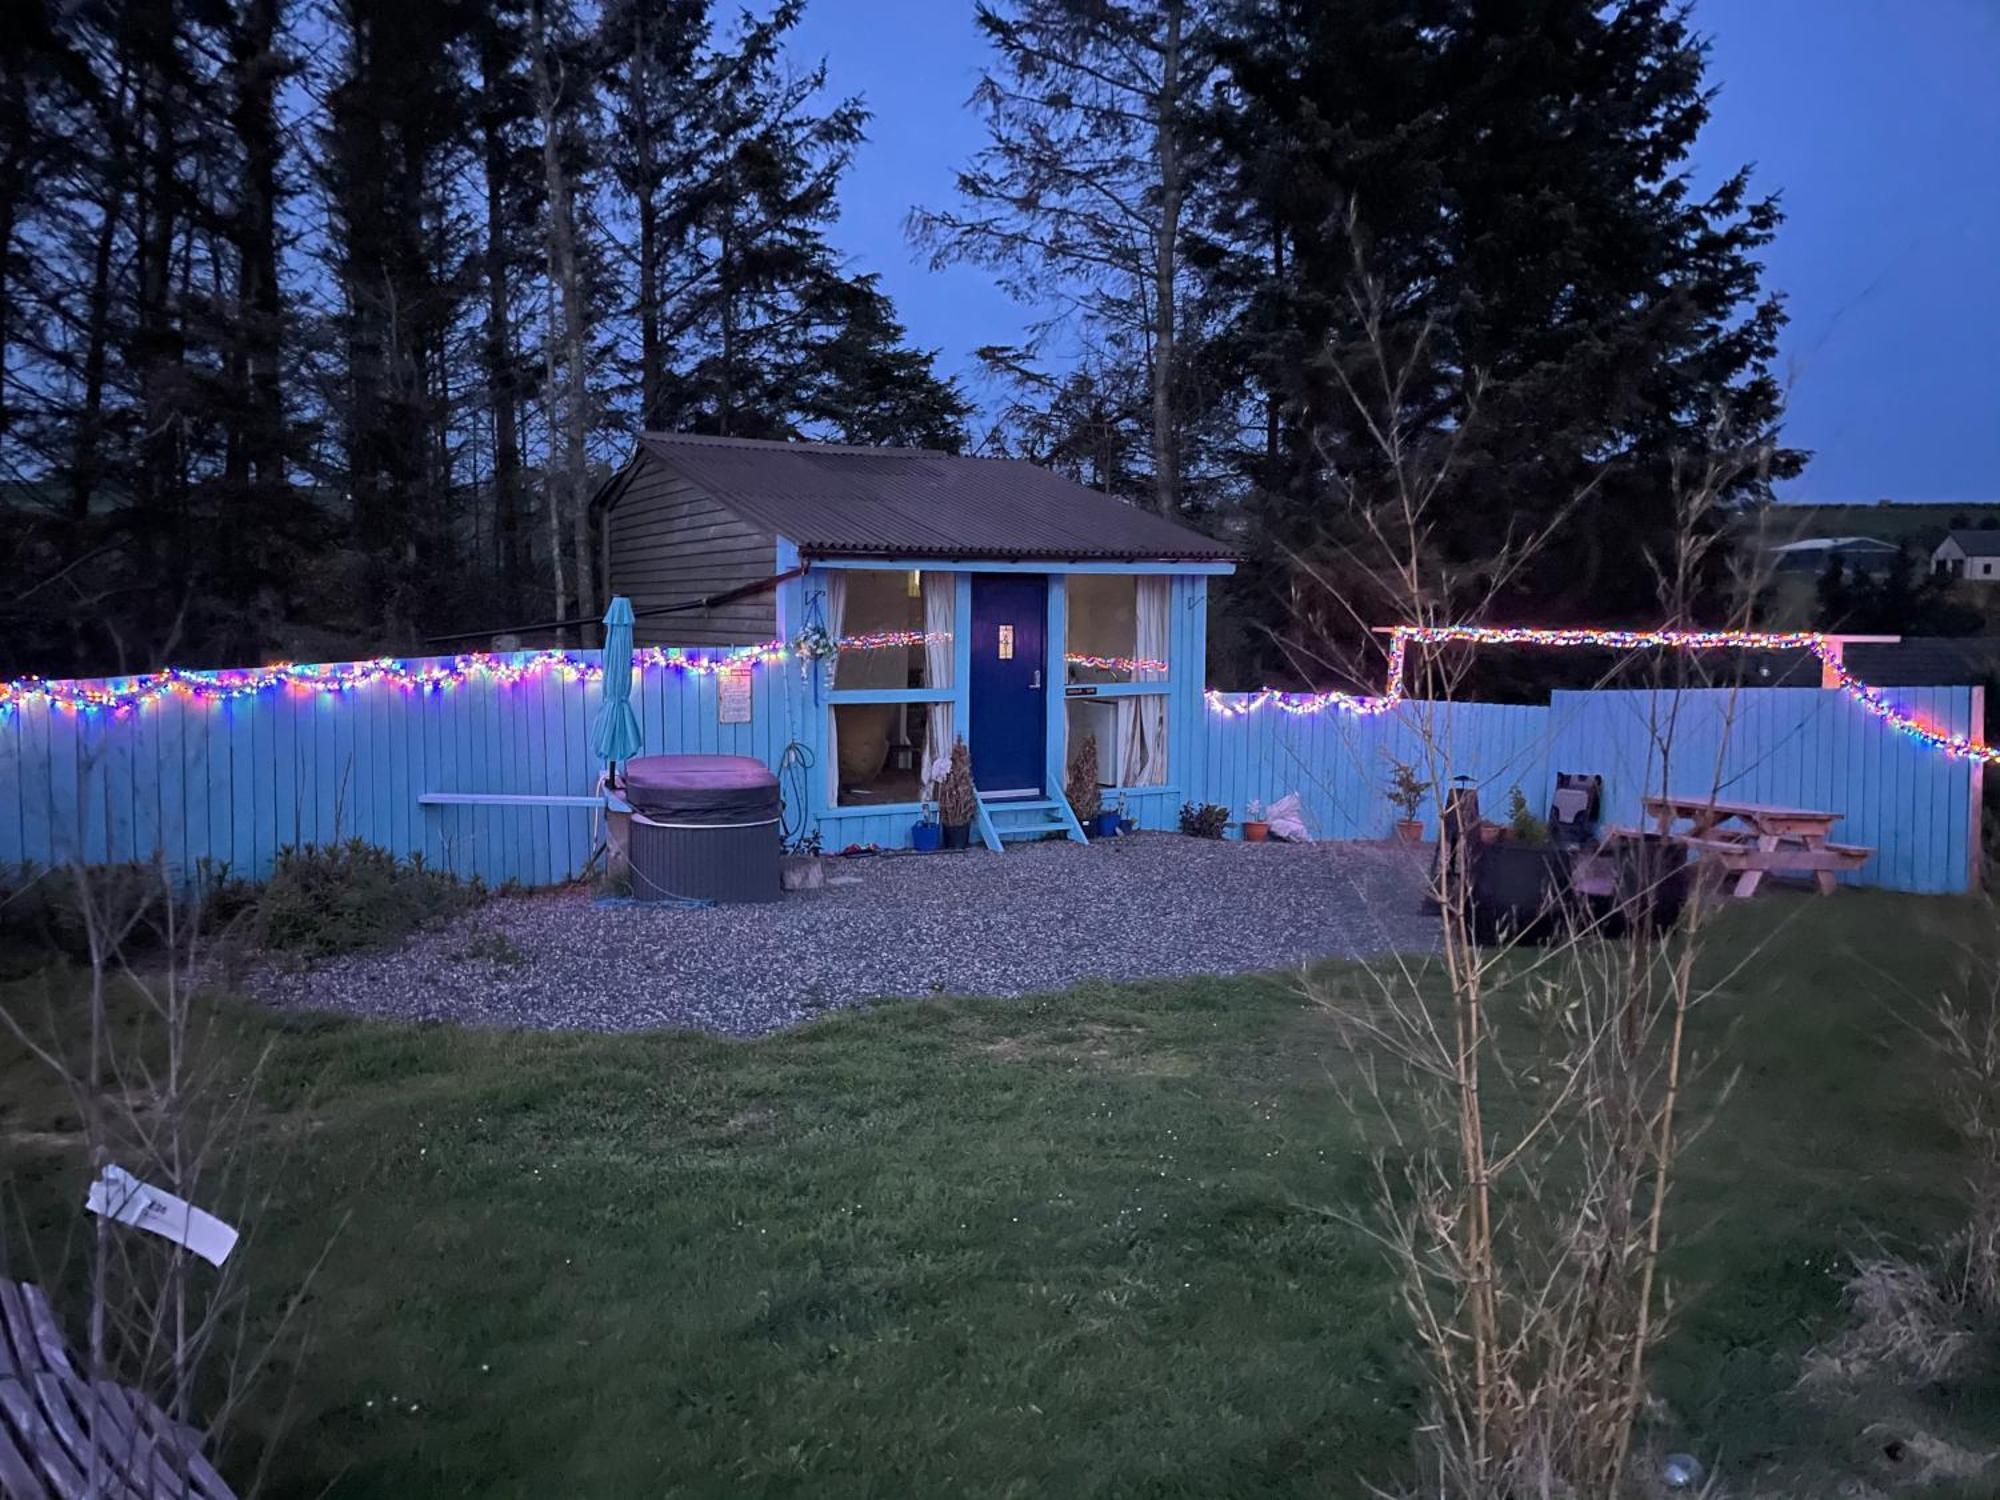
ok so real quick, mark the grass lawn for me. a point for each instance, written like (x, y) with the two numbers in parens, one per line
(1084, 1244)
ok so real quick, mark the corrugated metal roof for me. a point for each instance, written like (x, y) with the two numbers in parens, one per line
(832, 499)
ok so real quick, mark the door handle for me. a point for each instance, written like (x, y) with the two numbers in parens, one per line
(1036, 681)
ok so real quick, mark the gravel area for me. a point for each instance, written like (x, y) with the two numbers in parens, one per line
(1040, 917)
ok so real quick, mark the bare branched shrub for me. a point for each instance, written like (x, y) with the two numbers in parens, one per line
(1906, 1323)
(1536, 1099)
(1965, 1038)
(161, 1084)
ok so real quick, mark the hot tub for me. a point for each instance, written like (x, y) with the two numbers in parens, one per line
(704, 828)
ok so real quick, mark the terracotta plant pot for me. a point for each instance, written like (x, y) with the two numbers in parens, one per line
(1256, 833)
(1409, 831)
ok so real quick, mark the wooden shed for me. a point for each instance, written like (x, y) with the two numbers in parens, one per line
(980, 597)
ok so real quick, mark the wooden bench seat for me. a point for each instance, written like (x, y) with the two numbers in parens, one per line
(507, 799)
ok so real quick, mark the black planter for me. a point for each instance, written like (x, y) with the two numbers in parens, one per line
(958, 835)
(1652, 885)
(1519, 891)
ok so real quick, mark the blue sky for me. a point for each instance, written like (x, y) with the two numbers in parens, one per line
(1878, 120)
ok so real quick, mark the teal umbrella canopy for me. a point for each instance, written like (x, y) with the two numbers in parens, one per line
(614, 733)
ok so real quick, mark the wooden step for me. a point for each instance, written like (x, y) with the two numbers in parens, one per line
(1030, 830)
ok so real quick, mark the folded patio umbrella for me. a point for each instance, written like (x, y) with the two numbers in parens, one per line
(614, 733)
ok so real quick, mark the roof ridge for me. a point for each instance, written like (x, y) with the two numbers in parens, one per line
(786, 445)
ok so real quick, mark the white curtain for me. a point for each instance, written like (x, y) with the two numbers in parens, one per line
(833, 611)
(940, 601)
(1142, 721)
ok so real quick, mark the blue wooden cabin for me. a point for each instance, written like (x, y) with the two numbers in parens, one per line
(980, 597)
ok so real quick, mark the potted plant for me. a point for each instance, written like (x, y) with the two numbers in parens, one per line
(1256, 823)
(800, 867)
(958, 805)
(925, 835)
(1407, 793)
(1086, 799)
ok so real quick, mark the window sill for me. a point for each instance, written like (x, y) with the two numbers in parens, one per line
(1084, 691)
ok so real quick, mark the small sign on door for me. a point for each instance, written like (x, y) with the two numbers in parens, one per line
(1006, 643)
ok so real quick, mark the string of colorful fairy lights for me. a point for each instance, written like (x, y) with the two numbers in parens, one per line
(1823, 648)
(126, 694)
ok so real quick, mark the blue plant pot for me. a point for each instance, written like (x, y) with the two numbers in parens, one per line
(1104, 825)
(924, 837)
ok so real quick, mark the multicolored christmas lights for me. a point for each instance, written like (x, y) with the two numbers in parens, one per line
(1115, 663)
(1824, 648)
(123, 695)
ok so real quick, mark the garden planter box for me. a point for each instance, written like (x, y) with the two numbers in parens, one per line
(1519, 891)
(1652, 885)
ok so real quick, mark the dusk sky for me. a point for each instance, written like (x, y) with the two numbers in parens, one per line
(1878, 121)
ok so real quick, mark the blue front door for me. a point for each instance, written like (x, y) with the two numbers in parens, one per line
(1009, 734)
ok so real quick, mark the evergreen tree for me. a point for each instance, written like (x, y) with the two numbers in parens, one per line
(1509, 185)
(1084, 202)
(762, 314)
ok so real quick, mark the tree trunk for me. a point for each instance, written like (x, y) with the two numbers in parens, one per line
(1166, 152)
(13, 186)
(255, 452)
(499, 340)
(86, 452)
(651, 354)
(566, 284)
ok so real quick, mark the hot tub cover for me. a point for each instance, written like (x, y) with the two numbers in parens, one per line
(702, 788)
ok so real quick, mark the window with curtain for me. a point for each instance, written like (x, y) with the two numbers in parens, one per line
(894, 629)
(1119, 628)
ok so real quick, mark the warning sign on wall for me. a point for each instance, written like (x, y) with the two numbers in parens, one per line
(732, 695)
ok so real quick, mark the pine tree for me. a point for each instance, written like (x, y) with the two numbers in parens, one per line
(1512, 183)
(1083, 201)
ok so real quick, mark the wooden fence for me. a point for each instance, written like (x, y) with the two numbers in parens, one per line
(230, 782)
(1806, 747)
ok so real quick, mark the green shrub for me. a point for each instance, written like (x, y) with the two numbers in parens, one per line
(43, 906)
(339, 898)
(1206, 821)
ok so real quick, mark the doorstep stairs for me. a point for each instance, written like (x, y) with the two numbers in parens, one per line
(1024, 818)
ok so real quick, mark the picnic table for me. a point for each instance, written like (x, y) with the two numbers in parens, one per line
(1751, 839)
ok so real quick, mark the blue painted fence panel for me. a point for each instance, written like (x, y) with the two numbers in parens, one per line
(1797, 747)
(232, 781)
(1788, 746)
(1340, 765)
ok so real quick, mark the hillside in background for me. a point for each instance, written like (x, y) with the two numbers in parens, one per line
(1893, 521)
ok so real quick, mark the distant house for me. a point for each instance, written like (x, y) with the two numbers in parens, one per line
(1857, 554)
(1969, 554)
